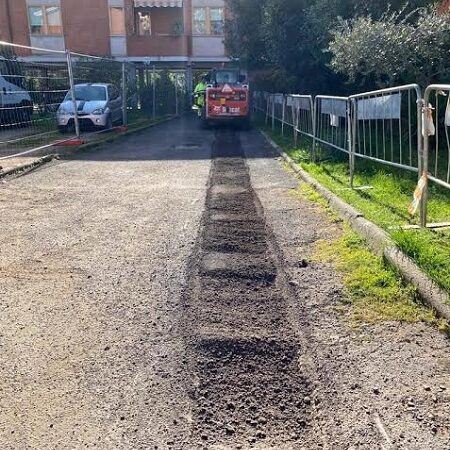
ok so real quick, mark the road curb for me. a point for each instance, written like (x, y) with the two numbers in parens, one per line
(379, 241)
(28, 167)
(24, 168)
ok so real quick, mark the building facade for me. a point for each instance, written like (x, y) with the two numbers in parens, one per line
(163, 32)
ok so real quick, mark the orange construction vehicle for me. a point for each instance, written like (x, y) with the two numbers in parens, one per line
(226, 98)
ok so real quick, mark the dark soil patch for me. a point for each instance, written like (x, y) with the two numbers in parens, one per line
(250, 390)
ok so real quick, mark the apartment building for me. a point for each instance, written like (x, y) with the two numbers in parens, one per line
(173, 33)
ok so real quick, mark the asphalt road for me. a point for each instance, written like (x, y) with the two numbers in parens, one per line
(154, 295)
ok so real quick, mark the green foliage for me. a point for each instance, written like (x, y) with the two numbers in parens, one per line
(285, 41)
(396, 48)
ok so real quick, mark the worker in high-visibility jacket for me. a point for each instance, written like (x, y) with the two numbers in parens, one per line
(199, 94)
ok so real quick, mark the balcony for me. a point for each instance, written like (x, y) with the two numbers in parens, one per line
(158, 45)
(158, 29)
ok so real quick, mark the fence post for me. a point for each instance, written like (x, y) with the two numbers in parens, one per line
(314, 127)
(72, 90)
(273, 113)
(283, 115)
(420, 137)
(352, 139)
(423, 159)
(124, 95)
(154, 92)
(176, 96)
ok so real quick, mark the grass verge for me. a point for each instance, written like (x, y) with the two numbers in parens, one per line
(374, 291)
(385, 203)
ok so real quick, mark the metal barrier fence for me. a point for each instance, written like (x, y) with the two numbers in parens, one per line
(301, 108)
(386, 127)
(436, 155)
(332, 118)
(294, 111)
(394, 127)
(50, 97)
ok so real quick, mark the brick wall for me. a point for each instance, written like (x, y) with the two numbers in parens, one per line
(86, 26)
(17, 31)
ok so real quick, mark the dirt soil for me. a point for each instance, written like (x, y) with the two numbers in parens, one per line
(158, 293)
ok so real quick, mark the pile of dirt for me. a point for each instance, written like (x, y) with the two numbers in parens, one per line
(249, 390)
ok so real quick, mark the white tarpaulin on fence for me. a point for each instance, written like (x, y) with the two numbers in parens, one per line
(386, 107)
(298, 102)
(334, 120)
(278, 99)
(333, 107)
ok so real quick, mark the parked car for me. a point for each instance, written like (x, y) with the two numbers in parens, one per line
(16, 106)
(99, 105)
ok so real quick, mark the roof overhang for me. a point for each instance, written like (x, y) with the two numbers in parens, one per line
(159, 3)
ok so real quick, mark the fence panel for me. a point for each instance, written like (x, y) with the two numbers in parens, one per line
(332, 122)
(436, 159)
(437, 143)
(385, 126)
(300, 113)
(260, 101)
(50, 97)
(30, 94)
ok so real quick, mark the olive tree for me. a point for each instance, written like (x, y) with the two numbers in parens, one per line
(396, 48)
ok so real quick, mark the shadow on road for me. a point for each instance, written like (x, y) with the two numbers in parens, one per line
(179, 139)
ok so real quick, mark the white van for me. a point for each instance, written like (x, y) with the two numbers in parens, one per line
(16, 106)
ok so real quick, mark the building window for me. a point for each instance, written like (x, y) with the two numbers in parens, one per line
(208, 21)
(117, 21)
(143, 22)
(200, 20)
(216, 20)
(45, 20)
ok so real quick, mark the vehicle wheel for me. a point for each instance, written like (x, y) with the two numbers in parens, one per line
(63, 129)
(109, 123)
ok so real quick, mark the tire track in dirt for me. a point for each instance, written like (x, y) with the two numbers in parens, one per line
(248, 390)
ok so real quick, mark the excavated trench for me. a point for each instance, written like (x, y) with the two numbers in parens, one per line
(248, 390)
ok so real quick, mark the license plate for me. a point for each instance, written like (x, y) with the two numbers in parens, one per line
(223, 101)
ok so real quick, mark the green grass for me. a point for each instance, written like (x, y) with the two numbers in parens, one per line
(386, 203)
(375, 291)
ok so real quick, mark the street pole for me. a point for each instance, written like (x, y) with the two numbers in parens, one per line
(72, 90)
(154, 92)
(124, 95)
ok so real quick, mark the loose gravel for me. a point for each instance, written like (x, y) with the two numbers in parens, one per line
(153, 298)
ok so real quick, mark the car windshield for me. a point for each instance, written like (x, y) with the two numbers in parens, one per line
(230, 76)
(88, 93)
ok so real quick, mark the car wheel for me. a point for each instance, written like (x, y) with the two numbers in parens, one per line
(109, 123)
(63, 129)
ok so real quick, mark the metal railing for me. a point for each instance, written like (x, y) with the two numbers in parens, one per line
(386, 127)
(302, 112)
(43, 104)
(332, 118)
(393, 127)
(293, 111)
(436, 137)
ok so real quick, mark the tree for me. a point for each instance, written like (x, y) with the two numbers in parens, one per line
(396, 48)
(286, 41)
